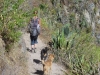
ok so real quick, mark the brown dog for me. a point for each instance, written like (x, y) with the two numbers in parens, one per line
(47, 64)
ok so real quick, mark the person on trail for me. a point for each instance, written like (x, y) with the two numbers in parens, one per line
(34, 29)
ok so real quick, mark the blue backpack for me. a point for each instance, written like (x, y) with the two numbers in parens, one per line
(34, 27)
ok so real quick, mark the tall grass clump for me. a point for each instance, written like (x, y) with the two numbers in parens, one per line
(83, 55)
(77, 51)
(12, 19)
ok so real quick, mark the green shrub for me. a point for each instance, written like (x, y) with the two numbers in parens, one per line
(42, 6)
(83, 57)
(78, 52)
(11, 20)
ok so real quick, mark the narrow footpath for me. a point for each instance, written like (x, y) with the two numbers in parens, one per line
(34, 62)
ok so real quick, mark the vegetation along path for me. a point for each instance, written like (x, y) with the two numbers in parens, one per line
(34, 61)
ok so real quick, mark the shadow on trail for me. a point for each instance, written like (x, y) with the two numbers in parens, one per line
(39, 72)
(37, 61)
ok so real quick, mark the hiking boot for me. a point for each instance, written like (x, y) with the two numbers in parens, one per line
(30, 50)
(34, 50)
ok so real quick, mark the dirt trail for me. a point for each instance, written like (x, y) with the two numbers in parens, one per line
(34, 61)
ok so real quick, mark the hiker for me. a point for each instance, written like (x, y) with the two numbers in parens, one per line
(34, 29)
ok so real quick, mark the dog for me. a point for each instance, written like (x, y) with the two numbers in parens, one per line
(44, 54)
(47, 64)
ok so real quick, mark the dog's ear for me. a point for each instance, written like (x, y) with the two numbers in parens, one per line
(46, 48)
(53, 55)
(49, 55)
(42, 50)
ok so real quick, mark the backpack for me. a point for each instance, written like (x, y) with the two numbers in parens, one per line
(34, 27)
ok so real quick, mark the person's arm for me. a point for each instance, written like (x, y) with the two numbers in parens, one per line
(39, 21)
(38, 27)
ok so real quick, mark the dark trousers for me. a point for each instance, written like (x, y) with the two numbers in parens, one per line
(33, 39)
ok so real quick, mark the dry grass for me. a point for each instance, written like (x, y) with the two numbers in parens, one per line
(14, 63)
(45, 35)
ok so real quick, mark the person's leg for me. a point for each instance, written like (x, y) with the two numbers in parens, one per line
(32, 42)
(35, 45)
(35, 42)
(32, 46)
